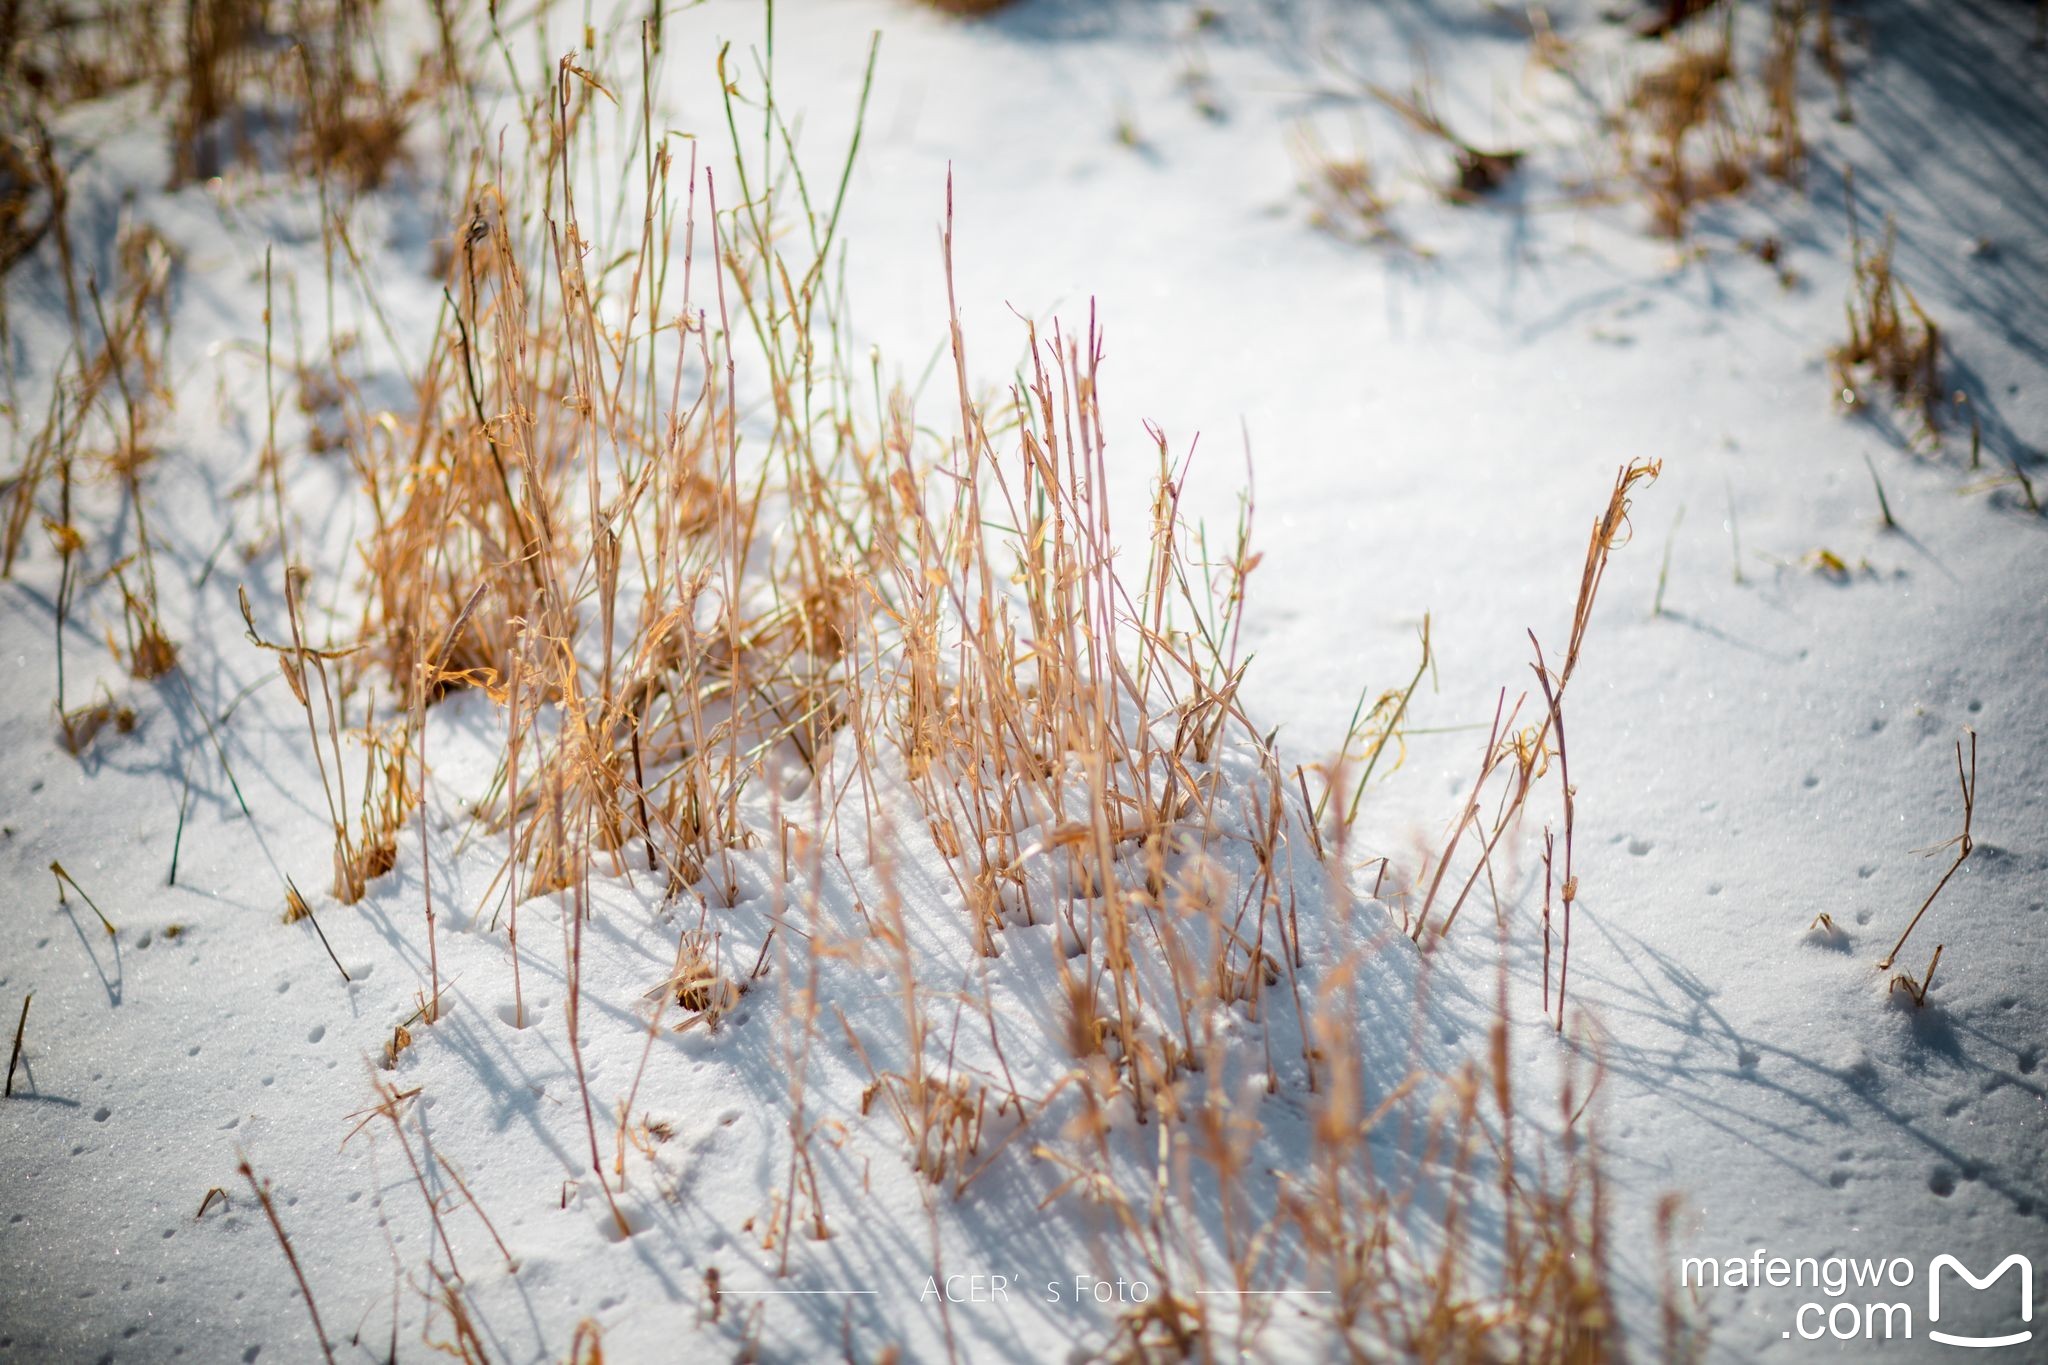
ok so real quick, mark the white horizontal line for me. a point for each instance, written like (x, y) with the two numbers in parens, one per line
(750, 1293)
(1244, 1293)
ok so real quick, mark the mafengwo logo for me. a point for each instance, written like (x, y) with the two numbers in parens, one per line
(1862, 1306)
(2015, 1262)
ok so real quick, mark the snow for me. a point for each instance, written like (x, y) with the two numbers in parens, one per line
(1428, 433)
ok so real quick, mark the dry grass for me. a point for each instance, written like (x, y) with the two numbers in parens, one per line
(1521, 758)
(1963, 844)
(1687, 125)
(64, 879)
(353, 123)
(262, 1192)
(81, 725)
(247, 64)
(218, 56)
(25, 211)
(569, 526)
(1916, 988)
(51, 54)
(1678, 130)
(700, 986)
(20, 1028)
(1785, 139)
(1660, 17)
(100, 424)
(1475, 171)
(1342, 190)
(1828, 50)
(1892, 346)
(1688, 129)
(1345, 192)
(714, 636)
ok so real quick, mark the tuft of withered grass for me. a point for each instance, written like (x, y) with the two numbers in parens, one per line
(1893, 347)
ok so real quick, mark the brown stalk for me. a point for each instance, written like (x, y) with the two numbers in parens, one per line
(262, 1192)
(20, 1025)
(1963, 845)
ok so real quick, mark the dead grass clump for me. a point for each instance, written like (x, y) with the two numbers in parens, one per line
(25, 210)
(218, 55)
(108, 396)
(359, 135)
(1681, 112)
(352, 122)
(1343, 190)
(148, 649)
(52, 448)
(942, 1122)
(365, 827)
(1829, 52)
(81, 726)
(1915, 989)
(1786, 157)
(1893, 345)
(1687, 132)
(1475, 171)
(1660, 17)
(395, 1046)
(56, 54)
(1165, 1327)
(1537, 1287)
(135, 341)
(699, 985)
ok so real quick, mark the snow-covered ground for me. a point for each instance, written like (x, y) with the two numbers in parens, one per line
(1434, 419)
